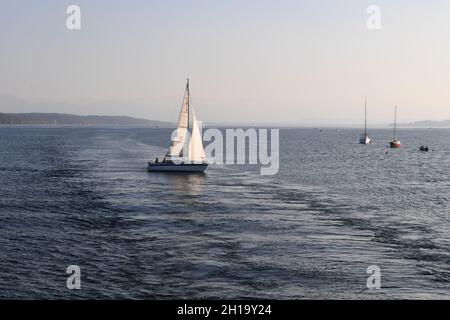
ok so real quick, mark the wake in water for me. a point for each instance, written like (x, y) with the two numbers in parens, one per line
(86, 199)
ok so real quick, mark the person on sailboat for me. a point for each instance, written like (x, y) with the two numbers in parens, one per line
(156, 161)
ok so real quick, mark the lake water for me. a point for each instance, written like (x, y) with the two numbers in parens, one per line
(82, 196)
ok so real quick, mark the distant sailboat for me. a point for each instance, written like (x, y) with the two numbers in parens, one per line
(177, 158)
(395, 143)
(365, 139)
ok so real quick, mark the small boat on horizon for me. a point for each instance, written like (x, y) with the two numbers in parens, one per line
(178, 159)
(395, 143)
(365, 139)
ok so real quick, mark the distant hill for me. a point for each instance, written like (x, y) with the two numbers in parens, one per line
(70, 119)
(428, 124)
(17, 111)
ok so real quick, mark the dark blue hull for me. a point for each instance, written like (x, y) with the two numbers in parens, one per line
(172, 167)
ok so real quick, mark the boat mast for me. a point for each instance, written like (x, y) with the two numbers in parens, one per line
(188, 102)
(365, 116)
(395, 122)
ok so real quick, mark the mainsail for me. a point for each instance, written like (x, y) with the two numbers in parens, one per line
(196, 150)
(179, 137)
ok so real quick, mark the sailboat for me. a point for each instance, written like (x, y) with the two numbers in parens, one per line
(183, 155)
(395, 143)
(365, 139)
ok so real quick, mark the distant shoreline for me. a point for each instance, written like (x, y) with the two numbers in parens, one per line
(77, 121)
(61, 119)
(222, 127)
(112, 126)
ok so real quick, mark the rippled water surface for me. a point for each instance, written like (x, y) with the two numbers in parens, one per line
(82, 196)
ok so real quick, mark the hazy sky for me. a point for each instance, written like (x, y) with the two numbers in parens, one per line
(248, 60)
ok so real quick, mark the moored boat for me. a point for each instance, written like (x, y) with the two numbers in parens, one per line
(365, 139)
(395, 143)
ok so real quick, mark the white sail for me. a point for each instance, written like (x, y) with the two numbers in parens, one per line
(196, 150)
(179, 137)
